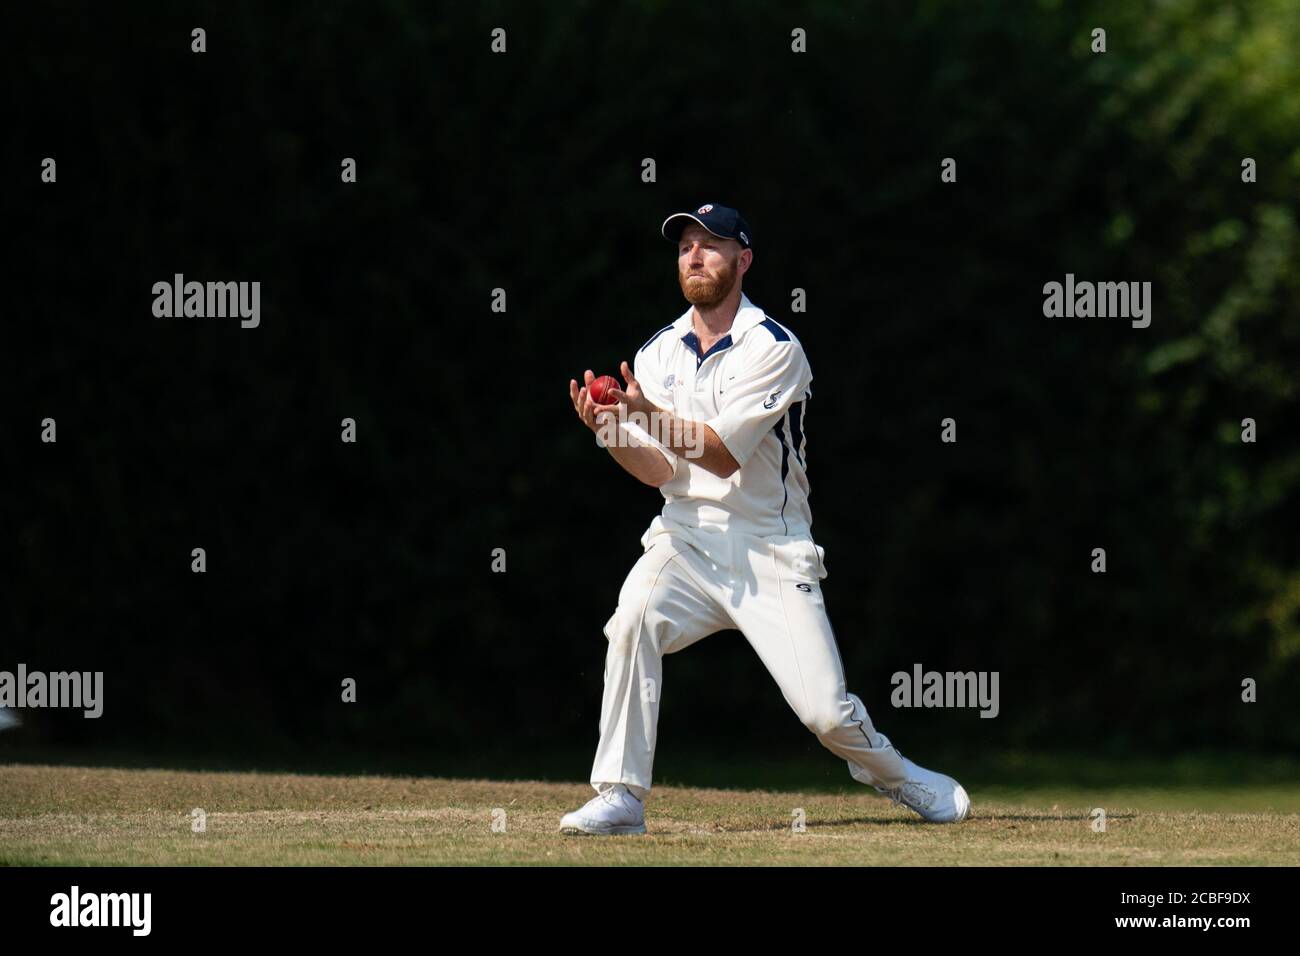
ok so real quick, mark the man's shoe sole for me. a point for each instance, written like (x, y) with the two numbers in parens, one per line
(612, 831)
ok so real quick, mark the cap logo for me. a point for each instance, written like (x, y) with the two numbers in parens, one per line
(704, 210)
(744, 238)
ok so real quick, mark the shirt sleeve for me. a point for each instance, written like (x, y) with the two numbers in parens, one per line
(759, 396)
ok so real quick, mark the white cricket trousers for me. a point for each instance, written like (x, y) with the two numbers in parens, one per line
(689, 584)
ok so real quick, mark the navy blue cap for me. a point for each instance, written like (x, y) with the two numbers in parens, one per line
(723, 221)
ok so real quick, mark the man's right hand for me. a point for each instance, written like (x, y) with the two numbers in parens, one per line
(587, 409)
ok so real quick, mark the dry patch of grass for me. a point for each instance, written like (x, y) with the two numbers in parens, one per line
(84, 816)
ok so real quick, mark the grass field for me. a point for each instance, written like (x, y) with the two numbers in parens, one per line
(67, 815)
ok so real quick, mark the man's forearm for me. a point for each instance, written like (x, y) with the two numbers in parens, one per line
(643, 462)
(694, 441)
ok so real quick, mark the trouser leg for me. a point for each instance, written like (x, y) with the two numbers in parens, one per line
(662, 607)
(783, 616)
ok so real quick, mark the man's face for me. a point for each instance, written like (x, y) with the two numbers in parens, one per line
(708, 268)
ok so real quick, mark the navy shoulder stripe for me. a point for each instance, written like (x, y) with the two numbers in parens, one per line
(653, 337)
(778, 333)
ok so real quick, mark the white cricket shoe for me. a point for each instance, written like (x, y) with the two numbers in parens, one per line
(611, 812)
(937, 797)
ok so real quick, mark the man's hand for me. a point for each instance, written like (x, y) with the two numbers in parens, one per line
(587, 409)
(632, 397)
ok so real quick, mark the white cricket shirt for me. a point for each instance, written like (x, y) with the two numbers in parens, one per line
(752, 388)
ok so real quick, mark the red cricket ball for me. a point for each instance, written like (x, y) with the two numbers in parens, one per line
(599, 389)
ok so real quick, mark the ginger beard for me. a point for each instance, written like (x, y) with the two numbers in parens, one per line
(709, 290)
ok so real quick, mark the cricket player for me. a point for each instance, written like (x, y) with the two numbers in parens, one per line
(713, 415)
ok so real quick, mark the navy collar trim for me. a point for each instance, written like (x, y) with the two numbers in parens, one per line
(693, 341)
